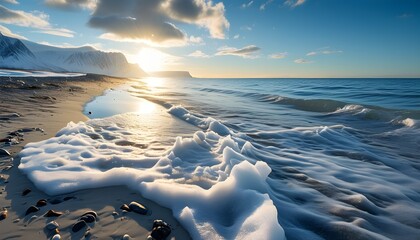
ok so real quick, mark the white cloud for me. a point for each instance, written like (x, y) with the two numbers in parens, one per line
(196, 40)
(236, 36)
(10, 1)
(278, 55)
(247, 5)
(294, 3)
(5, 31)
(302, 61)
(198, 54)
(37, 20)
(245, 52)
(264, 5)
(323, 52)
(246, 28)
(71, 4)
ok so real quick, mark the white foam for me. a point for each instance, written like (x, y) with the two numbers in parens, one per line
(210, 186)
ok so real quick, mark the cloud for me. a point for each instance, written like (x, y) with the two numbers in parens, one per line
(302, 61)
(264, 5)
(5, 31)
(278, 55)
(71, 4)
(236, 36)
(245, 52)
(198, 54)
(247, 5)
(154, 21)
(246, 28)
(10, 1)
(294, 3)
(195, 40)
(405, 15)
(323, 52)
(37, 20)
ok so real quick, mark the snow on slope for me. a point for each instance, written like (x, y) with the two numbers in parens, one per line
(17, 54)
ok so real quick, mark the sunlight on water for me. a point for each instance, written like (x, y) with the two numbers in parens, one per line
(146, 107)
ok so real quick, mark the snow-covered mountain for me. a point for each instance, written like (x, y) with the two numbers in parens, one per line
(23, 54)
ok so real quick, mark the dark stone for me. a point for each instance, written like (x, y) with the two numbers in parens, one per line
(79, 225)
(4, 152)
(137, 208)
(55, 201)
(52, 225)
(90, 213)
(125, 207)
(89, 218)
(41, 203)
(3, 214)
(52, 213)
(31, 209)
(26, 192)
(161, 230)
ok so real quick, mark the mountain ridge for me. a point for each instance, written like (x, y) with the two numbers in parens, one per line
(17, 54)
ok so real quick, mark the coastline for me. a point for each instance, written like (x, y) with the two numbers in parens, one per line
(49, 104)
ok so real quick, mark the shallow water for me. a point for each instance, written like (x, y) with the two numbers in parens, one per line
(256, 158)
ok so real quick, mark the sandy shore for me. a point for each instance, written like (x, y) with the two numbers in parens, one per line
(34, 109)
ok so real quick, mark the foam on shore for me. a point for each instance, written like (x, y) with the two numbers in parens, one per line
(212, 188)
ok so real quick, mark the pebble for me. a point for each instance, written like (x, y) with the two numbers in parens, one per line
(52, 213)
(115, 214)
(4, 152)
(89, 218)
(87, 234)
(3, 214)
(16, 220)
(52, 225)
(91, 213)
(138, 208)
(31, 209)
(56, 237)
(32, 218)
(41, 203)
(79, 225)
(125, 207)
(26, 192)
(161, 230)
(126, 237)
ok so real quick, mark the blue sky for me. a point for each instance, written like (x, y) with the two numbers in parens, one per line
(238, 38)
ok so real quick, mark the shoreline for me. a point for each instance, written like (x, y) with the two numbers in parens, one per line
(39, 108)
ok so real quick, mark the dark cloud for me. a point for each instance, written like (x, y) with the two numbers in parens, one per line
(151, 20)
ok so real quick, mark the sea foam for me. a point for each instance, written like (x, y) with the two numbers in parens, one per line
(207, 182)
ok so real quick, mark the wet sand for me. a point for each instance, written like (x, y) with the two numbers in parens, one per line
(34, 109)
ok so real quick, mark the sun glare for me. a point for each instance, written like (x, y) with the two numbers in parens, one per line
(150, 59)
(146, 107)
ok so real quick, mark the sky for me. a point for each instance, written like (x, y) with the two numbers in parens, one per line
(236, 38)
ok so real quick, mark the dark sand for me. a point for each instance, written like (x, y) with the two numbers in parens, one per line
(32, 104)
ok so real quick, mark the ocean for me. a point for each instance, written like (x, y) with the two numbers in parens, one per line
(251, 158)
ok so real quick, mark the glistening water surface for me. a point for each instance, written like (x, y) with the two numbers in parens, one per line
(253, 158)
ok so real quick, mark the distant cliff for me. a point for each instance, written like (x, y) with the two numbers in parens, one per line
(23, 54)
(171, 74)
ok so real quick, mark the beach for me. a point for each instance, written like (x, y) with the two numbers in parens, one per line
(34, 109)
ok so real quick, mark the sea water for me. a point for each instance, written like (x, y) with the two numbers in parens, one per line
(252, 158)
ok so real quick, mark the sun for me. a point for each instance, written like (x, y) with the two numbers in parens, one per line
(151, 60)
